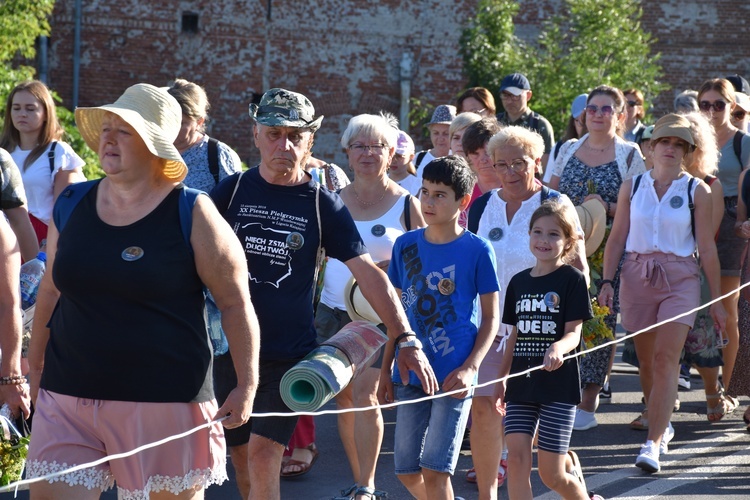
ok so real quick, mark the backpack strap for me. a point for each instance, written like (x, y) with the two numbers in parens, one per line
(534, 121)
(213, 158)
(51, 156)
(68, 200)
(419, 158)
(188, 197)
(548, 193)
(407, 212)
(476, 211)
(737, 145)
(636, 183)
(556, 150)
(629, 161)
(691, 205)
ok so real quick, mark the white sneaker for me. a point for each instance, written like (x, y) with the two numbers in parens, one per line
(665, 439)
(585, 420)
(683, 383)
(648, 459)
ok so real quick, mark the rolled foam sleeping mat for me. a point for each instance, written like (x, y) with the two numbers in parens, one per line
(324, 372)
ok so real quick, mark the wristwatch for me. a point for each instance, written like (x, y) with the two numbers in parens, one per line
(412, 342)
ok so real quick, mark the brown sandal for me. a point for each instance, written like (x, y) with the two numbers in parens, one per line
(310, 451)
(719, 411)
(641, 422)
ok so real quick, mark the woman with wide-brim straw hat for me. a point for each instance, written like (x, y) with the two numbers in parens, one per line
(126, 359)
(663, 216)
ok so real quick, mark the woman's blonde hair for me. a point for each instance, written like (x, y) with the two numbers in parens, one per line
(705, 160)
(51, 129)
(192, 98)
(529, 141)
(462, 121)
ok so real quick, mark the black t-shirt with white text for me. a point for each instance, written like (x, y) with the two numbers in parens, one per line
(278, 228)
(539, 307)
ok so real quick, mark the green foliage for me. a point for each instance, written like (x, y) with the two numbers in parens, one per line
(591, 42)
(419, 114)
(489, 46)
(21, 23)
(72, 136)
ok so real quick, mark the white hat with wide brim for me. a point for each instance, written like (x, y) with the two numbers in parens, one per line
(156, 117)
(357, 306)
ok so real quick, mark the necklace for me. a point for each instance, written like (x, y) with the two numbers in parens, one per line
(368, 203)
(600, 150)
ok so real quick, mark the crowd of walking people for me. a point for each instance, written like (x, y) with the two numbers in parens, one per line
(493, 252)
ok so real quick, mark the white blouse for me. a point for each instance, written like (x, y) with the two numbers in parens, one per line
(661, 225)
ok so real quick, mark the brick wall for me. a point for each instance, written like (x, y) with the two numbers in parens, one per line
(343, 54)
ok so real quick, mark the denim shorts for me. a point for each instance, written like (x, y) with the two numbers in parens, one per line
(429, 433)
(267, 399)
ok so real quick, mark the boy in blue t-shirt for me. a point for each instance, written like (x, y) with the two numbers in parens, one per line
(440, 272)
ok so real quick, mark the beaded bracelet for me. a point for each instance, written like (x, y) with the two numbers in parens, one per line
(13, 380)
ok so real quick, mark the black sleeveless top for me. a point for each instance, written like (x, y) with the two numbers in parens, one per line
(125, 328)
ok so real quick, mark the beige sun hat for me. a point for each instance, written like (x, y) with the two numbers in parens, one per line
(357, 306)
(154, 114)
(594, 224)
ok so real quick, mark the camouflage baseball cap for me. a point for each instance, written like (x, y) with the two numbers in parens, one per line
(284, 108)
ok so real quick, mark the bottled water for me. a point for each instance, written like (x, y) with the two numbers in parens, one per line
(31, 274)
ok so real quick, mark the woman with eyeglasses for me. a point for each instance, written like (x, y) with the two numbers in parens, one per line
(477, 100)
(634, 113)
(716, 100)
(382, 211)
(594, 168)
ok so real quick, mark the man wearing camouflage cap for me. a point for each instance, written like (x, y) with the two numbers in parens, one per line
(282, 217)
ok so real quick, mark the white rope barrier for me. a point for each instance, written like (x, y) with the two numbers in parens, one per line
(18, 484)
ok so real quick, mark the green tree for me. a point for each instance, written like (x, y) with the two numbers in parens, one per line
(489, 46)
(22, 22)
(590, 42)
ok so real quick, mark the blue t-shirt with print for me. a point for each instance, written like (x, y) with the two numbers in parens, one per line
(278, 228)
(440, 285)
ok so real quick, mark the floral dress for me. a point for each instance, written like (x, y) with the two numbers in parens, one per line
(578, 180)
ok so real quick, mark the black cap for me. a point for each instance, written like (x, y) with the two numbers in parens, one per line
(739, 83)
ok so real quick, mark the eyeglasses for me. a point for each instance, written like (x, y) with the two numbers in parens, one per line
(633, 104)
(510, 97)
(718, 106)
(739, 115)
(605, 110)
(517, 166)
(376, 149)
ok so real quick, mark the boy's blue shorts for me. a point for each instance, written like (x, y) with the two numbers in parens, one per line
(429, 433)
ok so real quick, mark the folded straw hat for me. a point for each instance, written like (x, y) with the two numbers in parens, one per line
(156, 117)
(357, 306)
(594, 224)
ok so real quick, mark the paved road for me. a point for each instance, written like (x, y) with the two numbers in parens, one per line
(705, 460)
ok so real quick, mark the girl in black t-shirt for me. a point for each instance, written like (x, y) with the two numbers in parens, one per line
(548, 304)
